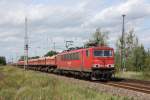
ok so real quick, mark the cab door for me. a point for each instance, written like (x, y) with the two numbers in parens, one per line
(87, 59)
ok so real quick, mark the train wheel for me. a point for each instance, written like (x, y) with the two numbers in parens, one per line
(92, 76)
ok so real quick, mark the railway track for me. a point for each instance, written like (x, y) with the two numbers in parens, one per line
(130, 86)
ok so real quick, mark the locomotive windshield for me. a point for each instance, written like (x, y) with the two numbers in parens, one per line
(103, 53)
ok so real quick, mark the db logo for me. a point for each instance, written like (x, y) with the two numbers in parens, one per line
(69, 63)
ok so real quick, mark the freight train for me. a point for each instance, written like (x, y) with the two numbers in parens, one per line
(93, 62)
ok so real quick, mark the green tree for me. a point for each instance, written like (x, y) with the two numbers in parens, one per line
(99, 38)
(117, 60)
(130, 40)
(146, 71)
(51, 53)
(134, 52)
(139, 58)
(2, 60)
(35, 57)
(21, 58)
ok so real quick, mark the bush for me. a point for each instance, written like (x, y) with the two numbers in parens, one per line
(2, 60)
(18, 84)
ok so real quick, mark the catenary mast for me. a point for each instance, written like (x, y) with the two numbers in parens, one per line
(123, 58)
(26, 45)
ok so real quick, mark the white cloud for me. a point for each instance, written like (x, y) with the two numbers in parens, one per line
(75, 20)
(134, 9)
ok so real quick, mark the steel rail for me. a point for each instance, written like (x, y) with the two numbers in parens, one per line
(137, 88)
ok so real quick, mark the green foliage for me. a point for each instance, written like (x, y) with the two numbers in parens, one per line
(17, 84)
(146, 71)
(51, 53)
(139, 58)
(2, 60)
(99, 39)
(21, 58)
(140, 75)
(35, 57)
(117, 60)
(134, 52)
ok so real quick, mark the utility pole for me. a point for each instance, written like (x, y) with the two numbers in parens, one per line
(54, 46)
(12, 60)
(123, 45)
(148, 51)
(47, 43)
(16, 59)
(26, 45)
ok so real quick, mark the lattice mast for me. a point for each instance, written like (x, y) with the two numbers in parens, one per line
(123, 57)
(26, 45)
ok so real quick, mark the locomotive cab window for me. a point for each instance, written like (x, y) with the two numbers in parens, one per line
(103, 53)
(98, 53)
(107, 53)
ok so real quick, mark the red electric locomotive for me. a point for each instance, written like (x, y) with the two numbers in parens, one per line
(98, 62)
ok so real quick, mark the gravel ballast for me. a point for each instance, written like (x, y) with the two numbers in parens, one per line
(102, 88)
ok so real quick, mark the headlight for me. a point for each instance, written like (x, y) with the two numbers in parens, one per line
(96, 65)
(112, 65)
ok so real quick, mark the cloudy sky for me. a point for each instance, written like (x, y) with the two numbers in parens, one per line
(56, 21)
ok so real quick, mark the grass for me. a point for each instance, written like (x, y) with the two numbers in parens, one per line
(133, 75)
(17, 84)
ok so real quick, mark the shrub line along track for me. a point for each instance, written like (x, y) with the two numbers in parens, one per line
(130, 84)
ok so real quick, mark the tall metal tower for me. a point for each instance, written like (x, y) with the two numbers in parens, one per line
(123, 58)
(26, 45)
(54, 46)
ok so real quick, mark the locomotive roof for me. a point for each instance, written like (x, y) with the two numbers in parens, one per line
(77, 50)
(51, 57)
